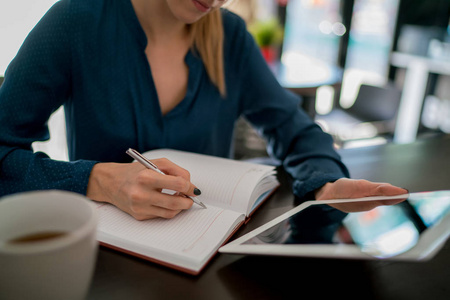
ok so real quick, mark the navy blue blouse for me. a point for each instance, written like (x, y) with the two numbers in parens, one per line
(89, 56)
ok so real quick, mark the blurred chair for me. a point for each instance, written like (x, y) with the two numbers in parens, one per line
(373, 114)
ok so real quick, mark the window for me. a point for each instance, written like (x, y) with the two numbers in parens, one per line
(17, 18)
(369, 46)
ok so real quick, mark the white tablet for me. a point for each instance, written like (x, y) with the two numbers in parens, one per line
(414, 229)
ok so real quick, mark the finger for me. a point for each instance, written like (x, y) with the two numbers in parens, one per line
(365, 188)
(386, 189)
(172, 202)
(161, 205)
(390, 190)
(174, 183)
(170, 168)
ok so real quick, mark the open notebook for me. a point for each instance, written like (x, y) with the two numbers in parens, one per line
(231, 190)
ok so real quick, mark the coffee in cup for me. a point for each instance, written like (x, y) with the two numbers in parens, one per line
(48, 245)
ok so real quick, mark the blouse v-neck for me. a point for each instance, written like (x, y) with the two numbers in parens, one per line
(192, 60)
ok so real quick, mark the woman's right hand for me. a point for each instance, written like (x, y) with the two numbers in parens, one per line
(137, 190)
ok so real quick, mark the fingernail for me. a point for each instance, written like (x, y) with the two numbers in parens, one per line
(197, 192)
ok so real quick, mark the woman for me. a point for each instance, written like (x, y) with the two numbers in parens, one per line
(152, 74)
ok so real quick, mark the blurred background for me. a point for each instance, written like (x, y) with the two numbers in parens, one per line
(368, 71)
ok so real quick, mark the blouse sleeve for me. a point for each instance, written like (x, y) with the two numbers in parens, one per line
(37, 82)
(306, 152)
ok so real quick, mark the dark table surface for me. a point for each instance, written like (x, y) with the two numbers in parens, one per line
(423, 165)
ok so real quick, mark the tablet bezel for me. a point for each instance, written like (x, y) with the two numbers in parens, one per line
(430, 241)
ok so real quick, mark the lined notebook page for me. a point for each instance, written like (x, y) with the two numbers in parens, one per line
(193, 234)
(223, 182)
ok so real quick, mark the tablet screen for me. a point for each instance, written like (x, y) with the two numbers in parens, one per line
(374, 227)
(391, 230)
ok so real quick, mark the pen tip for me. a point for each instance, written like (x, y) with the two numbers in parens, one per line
(202, 205)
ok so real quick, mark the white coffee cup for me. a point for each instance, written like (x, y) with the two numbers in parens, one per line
(48, 268)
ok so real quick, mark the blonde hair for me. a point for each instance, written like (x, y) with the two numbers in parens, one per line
(207, 40)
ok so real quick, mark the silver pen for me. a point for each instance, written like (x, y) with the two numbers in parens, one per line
(148, 164)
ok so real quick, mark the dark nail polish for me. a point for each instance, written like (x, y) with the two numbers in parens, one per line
(197, 192)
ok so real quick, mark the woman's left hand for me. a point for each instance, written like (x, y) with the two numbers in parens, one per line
(345, 188)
